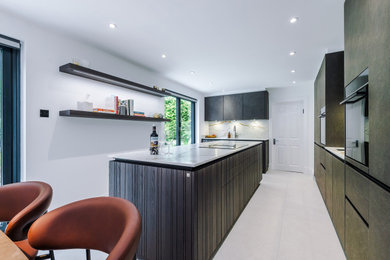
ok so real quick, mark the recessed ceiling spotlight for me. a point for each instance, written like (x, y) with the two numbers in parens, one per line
(292, 53)
(192, 72)
(163, 56)
(211, 83)
(294, 82)
(112, 26)
(294, 19)
(292, 71)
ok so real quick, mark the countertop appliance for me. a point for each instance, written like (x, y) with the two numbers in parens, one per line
(356, 121)
(322, 117)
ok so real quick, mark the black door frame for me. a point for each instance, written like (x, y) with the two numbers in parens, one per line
(11, 112)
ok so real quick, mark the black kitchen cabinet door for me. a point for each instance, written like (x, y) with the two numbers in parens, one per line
(255, 105)
(232, 107)
(214, 108)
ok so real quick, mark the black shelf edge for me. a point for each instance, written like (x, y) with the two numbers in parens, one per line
(99, 115)
(88, 73)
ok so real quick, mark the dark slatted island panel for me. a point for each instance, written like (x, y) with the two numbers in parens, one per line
(187, 214)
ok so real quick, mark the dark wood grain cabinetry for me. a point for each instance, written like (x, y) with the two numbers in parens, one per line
(356, 234)
(255, 105)
(329, 92)
(338, 198)
(214, 108)
(186, 214)
(379, 231)
(264, 153)
(245, 106)
(232, 107)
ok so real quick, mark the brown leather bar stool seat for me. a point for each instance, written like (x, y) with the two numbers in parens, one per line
(21, 204)
(107, 224)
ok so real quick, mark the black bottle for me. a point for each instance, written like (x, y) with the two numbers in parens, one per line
(154, 142)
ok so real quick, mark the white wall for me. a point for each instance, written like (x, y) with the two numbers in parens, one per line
(306, 94)
(71, 154)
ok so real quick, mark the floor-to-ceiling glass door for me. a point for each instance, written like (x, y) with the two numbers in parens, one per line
(9, 110)
(181, 129)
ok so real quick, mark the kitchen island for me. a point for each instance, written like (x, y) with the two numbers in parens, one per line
(190, 199)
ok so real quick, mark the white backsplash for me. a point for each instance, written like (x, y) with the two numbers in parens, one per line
(257, 129)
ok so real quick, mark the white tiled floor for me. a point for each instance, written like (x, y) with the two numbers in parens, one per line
(285, 219)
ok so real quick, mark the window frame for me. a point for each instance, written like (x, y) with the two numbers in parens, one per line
(178, 120)
(11, 102)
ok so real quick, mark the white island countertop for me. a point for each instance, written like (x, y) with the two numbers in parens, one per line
(185, 156)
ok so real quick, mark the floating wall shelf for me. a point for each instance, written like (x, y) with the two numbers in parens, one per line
(98, 115)
(88, 73)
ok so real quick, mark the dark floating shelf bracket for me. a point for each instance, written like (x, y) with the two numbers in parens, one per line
(88, 73)
(98, 115)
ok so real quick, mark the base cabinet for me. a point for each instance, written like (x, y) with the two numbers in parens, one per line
(379, 232)
(338, 198)
(329, 182)
(186, 214)
(356, 234)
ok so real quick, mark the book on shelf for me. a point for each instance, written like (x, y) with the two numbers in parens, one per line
(104, 110)
(129, 107)
(112, 103)
(138, 113)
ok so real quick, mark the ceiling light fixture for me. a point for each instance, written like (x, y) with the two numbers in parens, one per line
(292, 71)
(112, 26)
(294, 82)
(163, 56)
(192, 72)
(292, 53)
(211, 83)
(294, 19)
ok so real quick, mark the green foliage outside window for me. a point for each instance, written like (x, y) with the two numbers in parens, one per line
(171, 113)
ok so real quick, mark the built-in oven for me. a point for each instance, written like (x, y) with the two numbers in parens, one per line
(356, 121)
(323, 126)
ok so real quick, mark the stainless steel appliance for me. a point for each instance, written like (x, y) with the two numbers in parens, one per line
(356, 121)
(323, 125)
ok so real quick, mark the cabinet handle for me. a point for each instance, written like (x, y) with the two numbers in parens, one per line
(323, 166)
(274, 141)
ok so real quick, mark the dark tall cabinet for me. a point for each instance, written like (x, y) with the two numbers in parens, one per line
(329, 92)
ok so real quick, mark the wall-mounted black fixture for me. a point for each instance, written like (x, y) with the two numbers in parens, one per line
(44, 113)
(84, 72)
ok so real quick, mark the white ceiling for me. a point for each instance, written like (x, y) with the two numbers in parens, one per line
(231, 45)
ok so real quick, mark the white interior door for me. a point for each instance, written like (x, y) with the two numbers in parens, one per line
(287, 132)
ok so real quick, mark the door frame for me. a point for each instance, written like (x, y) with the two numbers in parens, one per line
(307, 169)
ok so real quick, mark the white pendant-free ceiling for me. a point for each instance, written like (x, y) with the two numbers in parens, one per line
(208, 45)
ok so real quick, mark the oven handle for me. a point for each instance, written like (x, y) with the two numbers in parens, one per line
(357, 93)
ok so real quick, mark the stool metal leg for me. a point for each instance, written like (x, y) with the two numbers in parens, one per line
(88, 254)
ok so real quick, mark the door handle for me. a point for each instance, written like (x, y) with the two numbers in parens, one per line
(357, 143)
(274, 141)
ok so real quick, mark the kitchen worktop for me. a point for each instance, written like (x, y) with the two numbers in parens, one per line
(185, 156)
(334, 151)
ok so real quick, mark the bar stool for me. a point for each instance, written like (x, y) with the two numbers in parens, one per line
(21, 204)
(108, 224)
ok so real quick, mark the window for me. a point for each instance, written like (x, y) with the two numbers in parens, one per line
(9, 110)
(181, 128)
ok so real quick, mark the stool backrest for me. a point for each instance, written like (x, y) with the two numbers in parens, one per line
(108, 224)
(21, 204)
